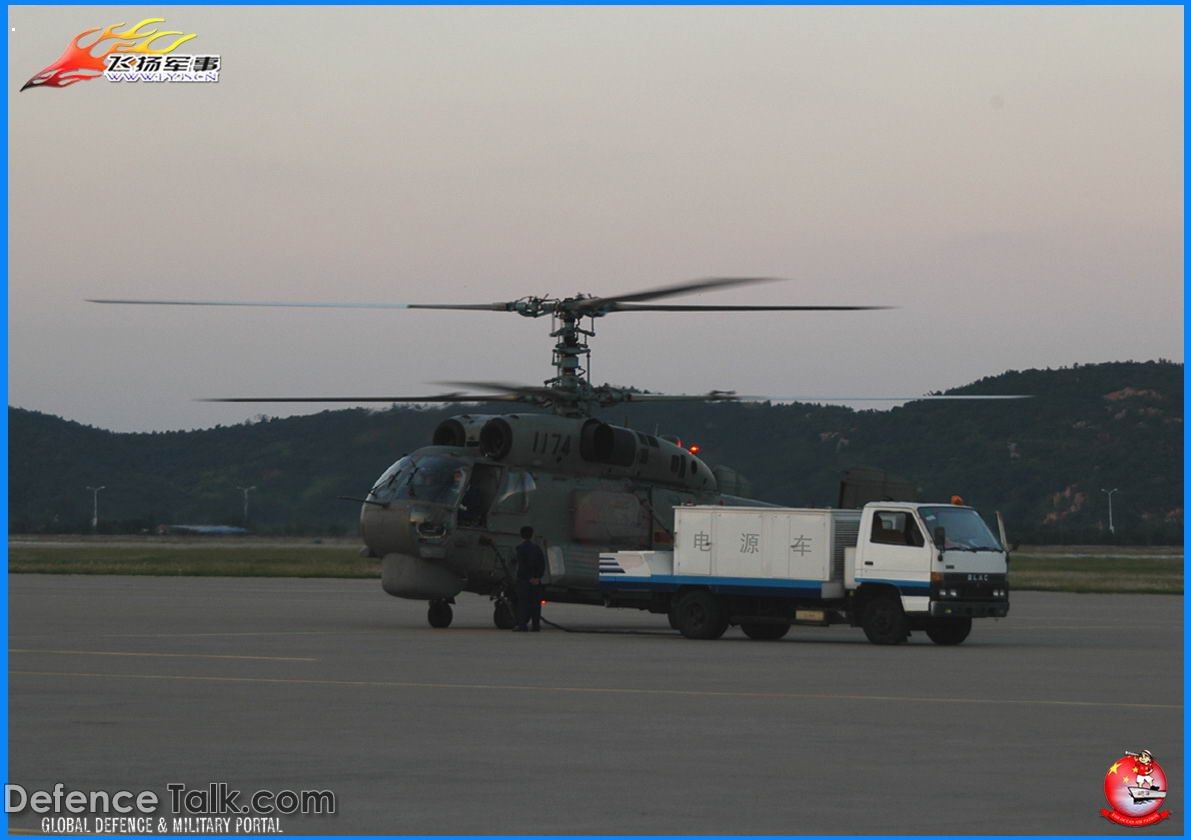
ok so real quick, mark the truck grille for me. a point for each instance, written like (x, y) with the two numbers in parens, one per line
(975, 586)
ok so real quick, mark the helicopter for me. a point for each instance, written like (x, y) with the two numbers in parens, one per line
(445, 518)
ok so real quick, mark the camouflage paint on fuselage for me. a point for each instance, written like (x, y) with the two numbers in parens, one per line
(445, 518)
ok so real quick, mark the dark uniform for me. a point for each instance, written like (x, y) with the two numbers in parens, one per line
(531, 567)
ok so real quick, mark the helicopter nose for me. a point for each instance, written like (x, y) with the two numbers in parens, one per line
(406, 527)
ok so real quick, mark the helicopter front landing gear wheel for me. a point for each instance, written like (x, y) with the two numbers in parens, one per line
(504, 616)
(439, 614)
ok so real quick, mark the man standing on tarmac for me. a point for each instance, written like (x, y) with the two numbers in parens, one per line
(531, 566)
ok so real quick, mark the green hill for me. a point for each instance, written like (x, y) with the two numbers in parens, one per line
(1042, 461)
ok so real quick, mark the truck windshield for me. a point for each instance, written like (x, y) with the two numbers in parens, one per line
(430, 478)
(965, 529)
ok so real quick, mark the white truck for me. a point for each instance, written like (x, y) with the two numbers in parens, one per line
(890, 568)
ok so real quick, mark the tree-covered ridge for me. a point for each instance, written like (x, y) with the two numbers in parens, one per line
(1043, 461)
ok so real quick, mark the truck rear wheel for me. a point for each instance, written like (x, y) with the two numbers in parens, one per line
(700, 615)
(765, 632)
(949, 631)
(885, 621)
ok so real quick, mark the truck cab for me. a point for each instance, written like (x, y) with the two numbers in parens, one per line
(937, 565)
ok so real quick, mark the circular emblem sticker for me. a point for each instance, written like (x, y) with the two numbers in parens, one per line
(1135, 787)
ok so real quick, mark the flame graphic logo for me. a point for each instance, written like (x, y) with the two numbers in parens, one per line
(80, 63)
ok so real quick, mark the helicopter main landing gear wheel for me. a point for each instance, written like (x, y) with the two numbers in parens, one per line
(439, 614)
(504, 616)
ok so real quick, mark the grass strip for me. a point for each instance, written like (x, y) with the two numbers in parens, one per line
(1034, 571)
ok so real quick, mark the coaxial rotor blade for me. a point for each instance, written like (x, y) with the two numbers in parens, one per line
(821, 399)
(442, 398)
(674, 289)
(483, 307)
(599, 392)
(510, 387)
(680, 307)
(498, 307)
(711, 396)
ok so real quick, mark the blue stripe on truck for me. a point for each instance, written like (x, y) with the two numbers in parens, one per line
(758, 586)
(740, 585)
(907, 587)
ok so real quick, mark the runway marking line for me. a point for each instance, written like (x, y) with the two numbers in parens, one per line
(663, 692)
(166, 655)
(255, 633)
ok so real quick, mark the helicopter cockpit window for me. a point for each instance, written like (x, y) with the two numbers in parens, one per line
(382, 491)
(430, 478)
(514, 493)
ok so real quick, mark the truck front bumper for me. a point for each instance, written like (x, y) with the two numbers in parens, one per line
(969, 609)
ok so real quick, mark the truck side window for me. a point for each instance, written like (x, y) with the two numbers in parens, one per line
(895, 527)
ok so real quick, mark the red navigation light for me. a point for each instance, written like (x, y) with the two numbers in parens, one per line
(543, 603)
(695, 448)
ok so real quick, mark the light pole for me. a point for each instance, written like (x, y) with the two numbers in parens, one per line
(245, 491)
(95, 506)
(1109, 493)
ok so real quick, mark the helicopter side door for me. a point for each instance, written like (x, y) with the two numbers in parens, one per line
(482, 492)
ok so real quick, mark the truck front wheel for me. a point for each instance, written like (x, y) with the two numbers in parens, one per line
(949, 631)
(700, 615)
(765, 632)
(885, 622)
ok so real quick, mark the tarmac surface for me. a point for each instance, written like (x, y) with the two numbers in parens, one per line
(136, 682)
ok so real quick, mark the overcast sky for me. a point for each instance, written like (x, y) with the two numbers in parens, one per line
(1011, 178)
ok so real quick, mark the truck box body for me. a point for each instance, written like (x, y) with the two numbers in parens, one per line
(802, 549)
(743, 550)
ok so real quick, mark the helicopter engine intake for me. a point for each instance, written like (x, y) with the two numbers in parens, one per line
(496, 438)
(463, 430)
(606, 444)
